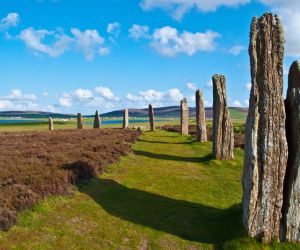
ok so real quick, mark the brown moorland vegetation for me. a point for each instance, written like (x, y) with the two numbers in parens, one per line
(239, 138)
(36, 164)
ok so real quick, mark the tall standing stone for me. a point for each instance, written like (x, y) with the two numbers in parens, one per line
(266, 153)
(184, 117)
(200, 117)
(291, 199)
(223, 137)
(97, 120)
(151, 118)
(50, 124)
(79, 121)
(125, 119)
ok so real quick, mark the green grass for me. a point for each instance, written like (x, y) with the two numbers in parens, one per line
(237, 114)
(72, 124)
(168, 194)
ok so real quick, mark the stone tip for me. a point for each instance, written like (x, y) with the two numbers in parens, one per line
(216, 77)
(184, 100)
(295, 65)
(294, 75)
(274, 19)
(199, 92)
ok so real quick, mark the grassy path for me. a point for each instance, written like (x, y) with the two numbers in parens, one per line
(168, 194)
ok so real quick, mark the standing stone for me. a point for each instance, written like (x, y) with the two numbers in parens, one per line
(125, 119)
(151, 118)
(79, 121)
(266, 153)
(50, 123)
(291, 199)
(184, 117)
(97, 120)
(223, 137)
(200, 117)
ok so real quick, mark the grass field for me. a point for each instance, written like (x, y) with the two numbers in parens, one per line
(236, 115)
(72, 124)
(168, 194)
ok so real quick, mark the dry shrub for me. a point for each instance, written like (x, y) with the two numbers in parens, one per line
(36, 164)
(239, 138)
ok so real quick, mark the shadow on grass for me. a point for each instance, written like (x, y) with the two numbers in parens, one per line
(164, 136)
(165, 142)
(204, 159)
(187, 220)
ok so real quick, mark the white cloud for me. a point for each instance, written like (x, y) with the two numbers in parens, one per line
(174, 94)
(86, 98)
(207, 103)
(191, 86)
(34, 40)
(236, 50)
(167, 41)
(50, 108)
(114, 29)
(192, 98)
(45, 94)
(4, 104)
(146, 96)
(132, 98)
(89, 42)
(285, 70)
(248, 86)
(11, 20)
(138, 31)
(209, 84)
(170, 96)
(65, 100)
(82, 94)
(178, 8)
(151, 95)
(16, 100)
(289, 13)
(104, 51)
(106, 93)
(237, 103)
(56, 43)
(17, 95)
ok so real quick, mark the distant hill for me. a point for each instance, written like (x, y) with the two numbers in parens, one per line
(172, 111)
(34, 114)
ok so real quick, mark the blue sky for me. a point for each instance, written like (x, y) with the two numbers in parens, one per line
(80, 55)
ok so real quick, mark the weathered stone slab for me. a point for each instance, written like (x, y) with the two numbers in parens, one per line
(125, 119)
(291, 200)
(79, 121)
(223, 137)
(97, 120)
(184, 121)
(151, 118)
(200, 117)
(266, 153)
(50, 124)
